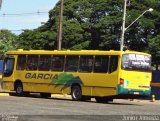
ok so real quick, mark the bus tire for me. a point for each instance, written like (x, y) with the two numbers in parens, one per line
(76, 93)
(19, 89)
(45, 95)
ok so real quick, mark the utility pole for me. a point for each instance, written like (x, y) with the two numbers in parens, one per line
(124, 28)
(60, 26)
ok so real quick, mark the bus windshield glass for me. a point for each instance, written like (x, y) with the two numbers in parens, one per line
(8, 66)
(136, 62)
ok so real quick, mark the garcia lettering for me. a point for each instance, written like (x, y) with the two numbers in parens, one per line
(40, 76)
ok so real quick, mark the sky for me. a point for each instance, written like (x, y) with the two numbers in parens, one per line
(16, 15)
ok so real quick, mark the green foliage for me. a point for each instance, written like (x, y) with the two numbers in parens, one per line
(32, 39)
(72, 34)
(154, 49)
(154, 46)
(8, 42)
(94, 24)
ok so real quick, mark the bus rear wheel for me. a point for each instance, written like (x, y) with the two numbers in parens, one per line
(76, 93)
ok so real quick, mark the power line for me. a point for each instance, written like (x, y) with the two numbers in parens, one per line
(23, 14)
(16, 30)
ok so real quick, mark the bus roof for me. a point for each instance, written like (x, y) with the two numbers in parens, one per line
(73, 52)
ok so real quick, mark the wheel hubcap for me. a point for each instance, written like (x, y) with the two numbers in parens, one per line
(19, 90)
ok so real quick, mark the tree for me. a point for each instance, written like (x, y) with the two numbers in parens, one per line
(100, 22)
(154, 49)
(34, 39)
(8, 42)
(96, 24)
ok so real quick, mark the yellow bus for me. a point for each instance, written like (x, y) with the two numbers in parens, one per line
(85, 74)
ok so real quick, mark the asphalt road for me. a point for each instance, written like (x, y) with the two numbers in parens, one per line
(34, 109)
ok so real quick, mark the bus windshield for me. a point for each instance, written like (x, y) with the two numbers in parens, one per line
(136, 62)
(8, 66)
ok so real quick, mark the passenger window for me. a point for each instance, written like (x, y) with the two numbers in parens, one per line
(57, 63)
(101, 64)
(71, 63)
(86, 64)
(113, 64)
(21, 62)
(44, 63)
(32, 62)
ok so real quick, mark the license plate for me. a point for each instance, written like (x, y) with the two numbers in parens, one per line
(136, 93)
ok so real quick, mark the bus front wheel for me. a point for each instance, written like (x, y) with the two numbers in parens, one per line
(19, 89)
(76, 93)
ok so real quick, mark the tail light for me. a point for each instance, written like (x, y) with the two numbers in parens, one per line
(121, 81)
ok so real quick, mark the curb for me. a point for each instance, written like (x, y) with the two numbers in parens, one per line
(4, 94)
(61, 95)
